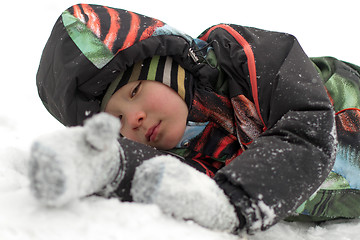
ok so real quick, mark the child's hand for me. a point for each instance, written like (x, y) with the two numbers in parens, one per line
(184, 193)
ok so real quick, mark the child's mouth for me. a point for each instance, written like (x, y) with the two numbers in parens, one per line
(152, 132)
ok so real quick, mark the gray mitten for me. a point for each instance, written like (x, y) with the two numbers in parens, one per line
(184, 193)
(75, 162)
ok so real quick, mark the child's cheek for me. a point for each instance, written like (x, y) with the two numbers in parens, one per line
(128, 134)
(155, 103)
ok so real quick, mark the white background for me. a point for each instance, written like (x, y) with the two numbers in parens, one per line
(323, 28)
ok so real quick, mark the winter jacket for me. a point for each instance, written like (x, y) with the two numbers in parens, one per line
(269, 167)
(339, 195)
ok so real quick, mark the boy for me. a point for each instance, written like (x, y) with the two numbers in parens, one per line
(245, 106)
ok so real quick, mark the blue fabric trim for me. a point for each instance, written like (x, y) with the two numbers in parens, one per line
(192, 130)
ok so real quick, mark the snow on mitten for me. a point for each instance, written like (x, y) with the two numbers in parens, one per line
(76, 161)
(184, 193)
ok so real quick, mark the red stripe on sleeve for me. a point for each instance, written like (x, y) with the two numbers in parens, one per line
(251, 61)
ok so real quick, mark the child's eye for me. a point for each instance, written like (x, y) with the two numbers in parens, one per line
(135, 90)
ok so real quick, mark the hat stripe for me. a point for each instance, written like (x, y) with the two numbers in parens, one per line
(144, 69)
(181, 82)
(174, 75)
(167, 71)
(112, 88)
(160, 72)
(126, 77)
(135, 74)
(153, 68)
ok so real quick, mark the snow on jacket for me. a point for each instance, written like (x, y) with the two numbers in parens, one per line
(272, 170)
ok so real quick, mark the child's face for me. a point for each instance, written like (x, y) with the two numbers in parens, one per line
(151, 113)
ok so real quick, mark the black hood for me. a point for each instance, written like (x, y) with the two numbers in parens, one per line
(91, 45)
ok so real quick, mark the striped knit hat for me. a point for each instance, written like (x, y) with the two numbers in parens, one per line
(158, 68)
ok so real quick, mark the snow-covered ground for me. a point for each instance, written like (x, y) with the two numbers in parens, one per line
(323, 27)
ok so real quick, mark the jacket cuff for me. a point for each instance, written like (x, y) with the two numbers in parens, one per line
(253, 214)
(234, 194)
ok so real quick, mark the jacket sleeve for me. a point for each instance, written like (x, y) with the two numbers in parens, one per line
(133, 154)
(289, 161)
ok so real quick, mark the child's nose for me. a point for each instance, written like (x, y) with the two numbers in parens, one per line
(136, 119)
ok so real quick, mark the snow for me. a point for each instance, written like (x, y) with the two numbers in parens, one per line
(25, 29)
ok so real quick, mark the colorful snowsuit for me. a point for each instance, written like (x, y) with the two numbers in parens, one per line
(269, 135)
(339, 195)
